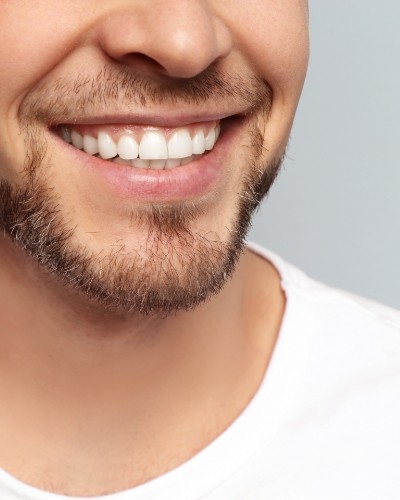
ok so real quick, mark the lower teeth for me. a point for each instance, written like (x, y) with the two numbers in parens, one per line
(154, 164)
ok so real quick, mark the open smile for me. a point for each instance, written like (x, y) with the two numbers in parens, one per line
(144, 147)
(146, 161)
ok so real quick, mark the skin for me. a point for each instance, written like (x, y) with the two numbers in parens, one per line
(109, 401)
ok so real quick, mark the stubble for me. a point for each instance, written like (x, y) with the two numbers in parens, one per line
(177, 268)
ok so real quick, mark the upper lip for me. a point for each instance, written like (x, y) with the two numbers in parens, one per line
(155, 120)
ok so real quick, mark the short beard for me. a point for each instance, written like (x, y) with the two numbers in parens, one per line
(176, 269)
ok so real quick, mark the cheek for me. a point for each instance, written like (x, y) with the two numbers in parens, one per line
(274, 37)
(33, 41)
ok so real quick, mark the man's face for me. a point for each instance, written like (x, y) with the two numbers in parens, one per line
(150, 215)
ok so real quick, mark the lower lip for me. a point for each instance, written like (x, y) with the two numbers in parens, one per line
(181, 183)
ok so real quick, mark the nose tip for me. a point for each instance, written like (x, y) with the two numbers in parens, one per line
(177, 38)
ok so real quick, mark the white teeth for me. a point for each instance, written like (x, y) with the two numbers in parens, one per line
(77, 139)
(210, 139)
(153, 151)
(128, 148)
(90, 145)
(153, 146)
(180, 144)
(107, 147)
(199, 143)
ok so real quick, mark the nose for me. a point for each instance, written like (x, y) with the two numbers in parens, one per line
(174, 38)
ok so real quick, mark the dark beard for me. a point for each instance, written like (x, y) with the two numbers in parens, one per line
(177, 269)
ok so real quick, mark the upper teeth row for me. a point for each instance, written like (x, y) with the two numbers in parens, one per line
(152, 146)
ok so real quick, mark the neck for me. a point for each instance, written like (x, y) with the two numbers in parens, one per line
(118, 381)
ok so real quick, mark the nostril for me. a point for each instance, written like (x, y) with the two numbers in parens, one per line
(141, 61)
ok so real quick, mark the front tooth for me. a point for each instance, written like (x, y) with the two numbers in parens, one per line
(77, 139)
(210, 139)
(199, 143)
(107, 147)
(180, 144)
(128, 148)
(153, 146)
(90, 145)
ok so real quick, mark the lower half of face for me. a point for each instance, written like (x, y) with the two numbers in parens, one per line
(146, 214)
(137, 238)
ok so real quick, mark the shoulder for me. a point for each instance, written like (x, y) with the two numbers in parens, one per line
(342, 339)
(333, 306)
(337, 366)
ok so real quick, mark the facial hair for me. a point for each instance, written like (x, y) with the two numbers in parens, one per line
(178, 268)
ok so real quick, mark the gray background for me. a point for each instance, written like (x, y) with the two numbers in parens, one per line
(335, 210)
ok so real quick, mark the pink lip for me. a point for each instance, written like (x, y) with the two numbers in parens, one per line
(169, 185)
(157, 120)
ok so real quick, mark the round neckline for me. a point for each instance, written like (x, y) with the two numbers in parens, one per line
(267, 410)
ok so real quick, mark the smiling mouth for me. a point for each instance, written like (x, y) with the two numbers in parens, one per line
(143, 147)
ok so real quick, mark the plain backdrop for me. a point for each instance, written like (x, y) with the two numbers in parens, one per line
(335, 209)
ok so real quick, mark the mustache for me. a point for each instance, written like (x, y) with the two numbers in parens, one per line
(123, 88)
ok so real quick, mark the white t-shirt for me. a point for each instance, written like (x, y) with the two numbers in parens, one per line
(324, 424)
